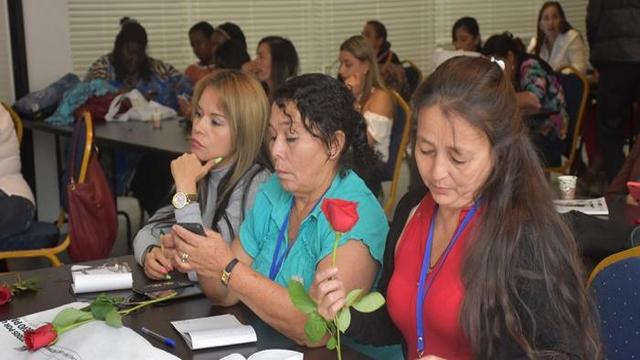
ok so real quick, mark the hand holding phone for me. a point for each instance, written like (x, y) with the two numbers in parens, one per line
(195, 228)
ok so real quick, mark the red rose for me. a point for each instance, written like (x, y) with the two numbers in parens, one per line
(342, 214)
(5, 294)
(43, 336)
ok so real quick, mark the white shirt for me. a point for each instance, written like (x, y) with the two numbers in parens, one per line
(11, 180)
(568, 49)
(379, 127)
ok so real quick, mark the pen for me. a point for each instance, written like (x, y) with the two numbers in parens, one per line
(167, 276)
(166, 340)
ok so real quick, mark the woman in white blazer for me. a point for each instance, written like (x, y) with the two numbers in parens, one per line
(556, 41)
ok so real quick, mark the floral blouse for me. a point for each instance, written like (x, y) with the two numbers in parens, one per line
(538, 80)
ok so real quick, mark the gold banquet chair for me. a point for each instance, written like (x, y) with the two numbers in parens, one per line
(402, 114)
(52, 252)
(576, 91)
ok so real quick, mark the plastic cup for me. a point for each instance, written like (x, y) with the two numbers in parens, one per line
(156, 121)
(567, 186)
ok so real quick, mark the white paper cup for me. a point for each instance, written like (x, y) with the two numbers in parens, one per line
(156, 121)
(567, 186)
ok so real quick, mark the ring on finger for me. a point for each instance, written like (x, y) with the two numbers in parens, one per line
(184, 257)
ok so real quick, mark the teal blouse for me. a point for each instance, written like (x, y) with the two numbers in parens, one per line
(260, 229)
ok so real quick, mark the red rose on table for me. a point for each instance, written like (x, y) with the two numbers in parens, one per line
(5, 294)
(43, 336)
(342, 214)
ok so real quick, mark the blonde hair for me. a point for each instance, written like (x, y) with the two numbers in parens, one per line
(246, 107)
(359, 47)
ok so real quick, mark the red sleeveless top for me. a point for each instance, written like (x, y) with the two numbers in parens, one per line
(443, 334)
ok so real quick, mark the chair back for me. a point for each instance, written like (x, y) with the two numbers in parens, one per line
(615, 285)
(413, 73)
(17, 122)
(397, 147)
(576, 93)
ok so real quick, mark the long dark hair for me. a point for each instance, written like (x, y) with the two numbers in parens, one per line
(284, 60)
(130, 32)
(522, 252)
(564, 26)
(469, 25)
(326, 106)
(499, 45)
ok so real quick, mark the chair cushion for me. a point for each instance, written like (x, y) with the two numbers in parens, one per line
(616, 291)
(39, 235)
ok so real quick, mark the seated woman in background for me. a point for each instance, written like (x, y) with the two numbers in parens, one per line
(496, 269)
(465, 35)
(17, 206)
(225, 32)
(537, 88)
(389, 65)
(229, 122)
(316, 139)
(276, 61)
(129, 67)
(359, 71)
(200, 39)
(230, 55)
(556, 42)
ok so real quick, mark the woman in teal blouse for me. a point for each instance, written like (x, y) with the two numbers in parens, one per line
(318, 143)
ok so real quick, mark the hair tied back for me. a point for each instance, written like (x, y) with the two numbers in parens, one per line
(498, 62)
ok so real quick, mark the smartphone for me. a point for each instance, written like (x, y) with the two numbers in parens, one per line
(160, 286)
(195, 228)
(634, 189)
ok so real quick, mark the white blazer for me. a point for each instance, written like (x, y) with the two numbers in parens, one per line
(11, 180)
(568, 49)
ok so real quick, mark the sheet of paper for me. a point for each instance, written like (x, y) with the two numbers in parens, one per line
(101, 278)
(597, 206)
(95, 340)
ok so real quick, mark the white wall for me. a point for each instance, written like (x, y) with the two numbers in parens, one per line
(46, 27)
(48, 49)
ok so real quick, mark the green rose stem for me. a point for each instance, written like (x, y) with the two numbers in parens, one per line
(121, 312)
(335, 319)
(145, 303)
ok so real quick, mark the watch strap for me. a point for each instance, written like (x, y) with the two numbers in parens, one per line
(226, 273)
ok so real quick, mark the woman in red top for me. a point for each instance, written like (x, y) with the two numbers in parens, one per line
(484, 267)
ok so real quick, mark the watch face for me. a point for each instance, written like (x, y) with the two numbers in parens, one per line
(179, 200)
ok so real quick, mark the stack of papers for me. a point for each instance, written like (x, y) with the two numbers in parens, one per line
(588, 206)
(94, 340)
(214, 331)
(105, 277)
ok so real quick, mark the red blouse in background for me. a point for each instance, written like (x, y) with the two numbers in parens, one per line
(443, 334)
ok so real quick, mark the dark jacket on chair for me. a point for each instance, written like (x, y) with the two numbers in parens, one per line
(613, 31)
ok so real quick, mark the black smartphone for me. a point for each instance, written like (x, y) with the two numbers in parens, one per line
(195, 228)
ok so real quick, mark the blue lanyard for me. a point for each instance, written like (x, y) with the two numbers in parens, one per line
(423, 285)
(276, 261)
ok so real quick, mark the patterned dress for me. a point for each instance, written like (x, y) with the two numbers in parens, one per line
(165, 84)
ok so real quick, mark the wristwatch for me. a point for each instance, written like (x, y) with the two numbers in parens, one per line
(226, 273)
(181, 199)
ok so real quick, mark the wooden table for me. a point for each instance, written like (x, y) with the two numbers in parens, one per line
(55, 291)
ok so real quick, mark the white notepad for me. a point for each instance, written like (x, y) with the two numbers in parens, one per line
(213, 331)
(106, 277)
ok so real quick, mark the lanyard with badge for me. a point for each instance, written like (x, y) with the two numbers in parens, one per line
(277, 260)
(424, 285)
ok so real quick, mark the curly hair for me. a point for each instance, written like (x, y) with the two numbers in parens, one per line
(326, 106)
